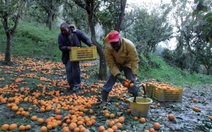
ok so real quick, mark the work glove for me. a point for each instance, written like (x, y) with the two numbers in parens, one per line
(133, 80)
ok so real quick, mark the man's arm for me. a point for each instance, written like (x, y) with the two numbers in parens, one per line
(84, 38)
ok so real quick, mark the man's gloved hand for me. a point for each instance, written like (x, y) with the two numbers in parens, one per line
(133, 80)
(118, 76)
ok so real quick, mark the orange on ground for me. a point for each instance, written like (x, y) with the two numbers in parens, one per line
(34, 118)
(72, 126)
(22, 127)
(43, 129)
(171, 117)
(119, 125)
(135, 118)
(151, 130)
(121, 119)
(156, 125)
(13, 126)
(5, 127)
(101, 128)
(142, 120)
(40, 120)
(65, 129)
(196, 109)
(28, 127)
(194, 100)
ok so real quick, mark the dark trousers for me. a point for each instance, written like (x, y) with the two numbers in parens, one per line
(73, 73)
(111, 80)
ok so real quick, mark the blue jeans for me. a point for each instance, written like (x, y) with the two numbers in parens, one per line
(111, 81)
(73, 73)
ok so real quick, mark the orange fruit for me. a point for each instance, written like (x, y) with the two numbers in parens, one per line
(42, 109)
(115, 128)
(131, 85)
(142, 120)
(110, 130)
(40, 120)
(43, 129)
(112, 115)
(121, 119)
(156, 125)
(58, 117)
(158, 104)
(194, 100)
(151, 130)
(101, 128)
(135, 118)
(126, 83)
(5, 127)
(28, 127)
(13, 126)
(211, 118)
(49, 126)
(77, 129)
(171, 117)
(72, 126)
(119, 125)
(111, 123)
(196, 109)
(128, 111)
(65, 129)
(22, 127)
(34, 118)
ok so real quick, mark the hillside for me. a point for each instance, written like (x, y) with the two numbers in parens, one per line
(37, 41)
(34, 95)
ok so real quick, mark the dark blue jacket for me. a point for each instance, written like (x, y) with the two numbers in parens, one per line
(77, 37)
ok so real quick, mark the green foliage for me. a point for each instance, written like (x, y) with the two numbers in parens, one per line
(37, 41)
(166, 73)
(33, 40)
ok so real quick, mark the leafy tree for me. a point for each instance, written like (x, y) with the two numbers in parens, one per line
(146, 28)
(10, 12)
(43, 11)
(74, 14)
(193, 48)
(51, 7)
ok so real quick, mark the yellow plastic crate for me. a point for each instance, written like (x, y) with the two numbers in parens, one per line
(83, 54)
(161, 94)
(149, 89)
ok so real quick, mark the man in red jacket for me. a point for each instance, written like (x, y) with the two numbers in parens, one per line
(121, 56)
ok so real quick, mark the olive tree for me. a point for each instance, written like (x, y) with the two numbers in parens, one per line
(10, 13)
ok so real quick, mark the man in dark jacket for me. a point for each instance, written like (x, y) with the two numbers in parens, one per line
(68, 38)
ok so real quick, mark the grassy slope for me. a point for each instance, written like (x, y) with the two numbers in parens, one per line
(37, 41)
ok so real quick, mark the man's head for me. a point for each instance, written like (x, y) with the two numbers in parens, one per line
(64, 28)
(114, 40)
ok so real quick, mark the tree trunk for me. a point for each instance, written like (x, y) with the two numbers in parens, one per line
(50, 19)
(8, 49)
(102, 62)
(121, 15)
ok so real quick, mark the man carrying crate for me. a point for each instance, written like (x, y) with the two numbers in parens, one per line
(71, 37)
(121, 56)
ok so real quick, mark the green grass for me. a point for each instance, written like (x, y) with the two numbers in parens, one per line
(32, 40)
(174, 76)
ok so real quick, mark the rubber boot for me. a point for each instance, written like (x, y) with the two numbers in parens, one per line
(104, 98)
